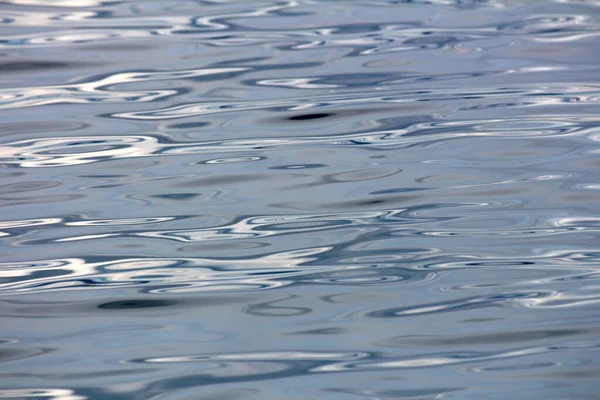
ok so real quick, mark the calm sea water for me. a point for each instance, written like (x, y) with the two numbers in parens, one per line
(299, 200)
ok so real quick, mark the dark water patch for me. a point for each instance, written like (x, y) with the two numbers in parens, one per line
(377, 201)
(300, 166)
(9, 354)
(36, 66)
(306, 117)
(22, 128)
(324, 331)
(189, 125)
(177, 196)
(136, 304)
(220, 180)
(27, 187)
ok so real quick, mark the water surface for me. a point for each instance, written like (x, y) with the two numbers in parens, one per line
(296, 200)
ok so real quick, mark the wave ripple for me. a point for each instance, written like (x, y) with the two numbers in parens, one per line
(370, 199)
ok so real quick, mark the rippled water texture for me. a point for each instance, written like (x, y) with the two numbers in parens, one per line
(299, 200)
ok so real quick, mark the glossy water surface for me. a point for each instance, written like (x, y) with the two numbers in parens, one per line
(303, 199)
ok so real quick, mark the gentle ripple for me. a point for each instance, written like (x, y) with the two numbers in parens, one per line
(299, 199)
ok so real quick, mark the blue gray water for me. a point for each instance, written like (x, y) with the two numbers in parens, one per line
(299, 200)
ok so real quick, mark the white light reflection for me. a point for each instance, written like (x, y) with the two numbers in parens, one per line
(98, 91)
(47, 394)
(426, 361)
(168, 274)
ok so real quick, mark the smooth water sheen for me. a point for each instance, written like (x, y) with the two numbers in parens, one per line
(300, 200)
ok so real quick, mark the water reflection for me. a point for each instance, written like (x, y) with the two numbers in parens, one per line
(373, 199)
